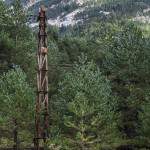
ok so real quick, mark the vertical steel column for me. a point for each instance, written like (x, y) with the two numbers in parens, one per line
(41, 116)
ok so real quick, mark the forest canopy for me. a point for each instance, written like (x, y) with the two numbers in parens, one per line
(99, 81)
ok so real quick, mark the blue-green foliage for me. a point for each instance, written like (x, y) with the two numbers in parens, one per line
(17, 104)
(86, 103)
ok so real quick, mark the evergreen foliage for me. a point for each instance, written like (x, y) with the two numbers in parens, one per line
(87, 106)
(98, 78)
(17, 103)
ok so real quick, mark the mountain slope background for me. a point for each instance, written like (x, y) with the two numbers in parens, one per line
(71, 12)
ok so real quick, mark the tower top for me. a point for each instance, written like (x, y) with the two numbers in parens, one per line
(43, 8)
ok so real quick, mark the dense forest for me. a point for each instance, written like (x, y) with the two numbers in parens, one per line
(99, 79)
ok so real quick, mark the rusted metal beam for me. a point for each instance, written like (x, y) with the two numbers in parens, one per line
(42, 113)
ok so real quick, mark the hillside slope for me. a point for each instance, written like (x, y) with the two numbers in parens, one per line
(71, 12)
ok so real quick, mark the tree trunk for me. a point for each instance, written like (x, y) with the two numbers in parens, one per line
(15, 134)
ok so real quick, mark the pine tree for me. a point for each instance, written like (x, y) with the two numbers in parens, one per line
(87, 106)
(17, 103)
(128, 60)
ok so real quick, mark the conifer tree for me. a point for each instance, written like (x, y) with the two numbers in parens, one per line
(87, 105)
(17, 103)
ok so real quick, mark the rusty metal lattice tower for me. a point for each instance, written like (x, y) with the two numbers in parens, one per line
(42, 115)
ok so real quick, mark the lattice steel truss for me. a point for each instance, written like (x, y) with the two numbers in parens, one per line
(42, 115)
